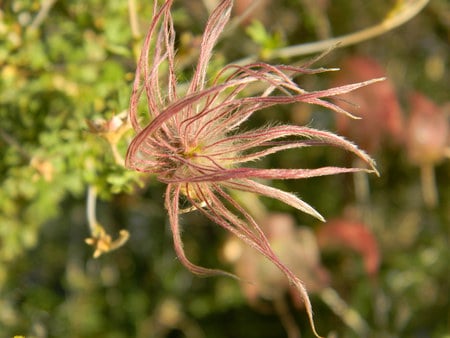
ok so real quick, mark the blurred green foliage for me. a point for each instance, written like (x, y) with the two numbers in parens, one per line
(76, 65)
(74, 61)
(267, 41)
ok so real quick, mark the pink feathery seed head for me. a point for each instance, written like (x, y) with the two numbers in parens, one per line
(193, 142)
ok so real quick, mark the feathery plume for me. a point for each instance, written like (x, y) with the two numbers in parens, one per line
(192, 142)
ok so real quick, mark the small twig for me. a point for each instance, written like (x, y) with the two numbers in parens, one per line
(42, 14)
(134, 23)
(116, 154)
(14, 143)
(396, 17)
(100, 240)
(428, 182)
(362, 192)
(286, 317)
(90, 209)
(348, 315)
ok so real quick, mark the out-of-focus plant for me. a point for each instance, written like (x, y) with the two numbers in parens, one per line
(381, 122)
(264, 39)
(351, 235)
(398, 15)
(381, 125)
(55, 75)
(424, 134)
(427, 141)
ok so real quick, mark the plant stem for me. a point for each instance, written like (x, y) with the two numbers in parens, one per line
(286, 317)
(117, 156)
(134, 24)
(42, 14)
(14, 143)
(428, 180)
(348, 315)
(396, 17)
(90, 209)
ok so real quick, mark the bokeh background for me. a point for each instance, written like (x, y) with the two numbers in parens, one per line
(377, 268)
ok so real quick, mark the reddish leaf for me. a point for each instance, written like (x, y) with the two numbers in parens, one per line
(377, 106)
(352, 235)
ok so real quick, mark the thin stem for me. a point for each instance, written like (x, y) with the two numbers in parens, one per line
(396, 17)
(362, 193)
(447, 152)
(14, 143)
(100, 240)
(134, 24)
(117, 156)
(429, 190)
(348, 315)
(42, 14)
(90, 209)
